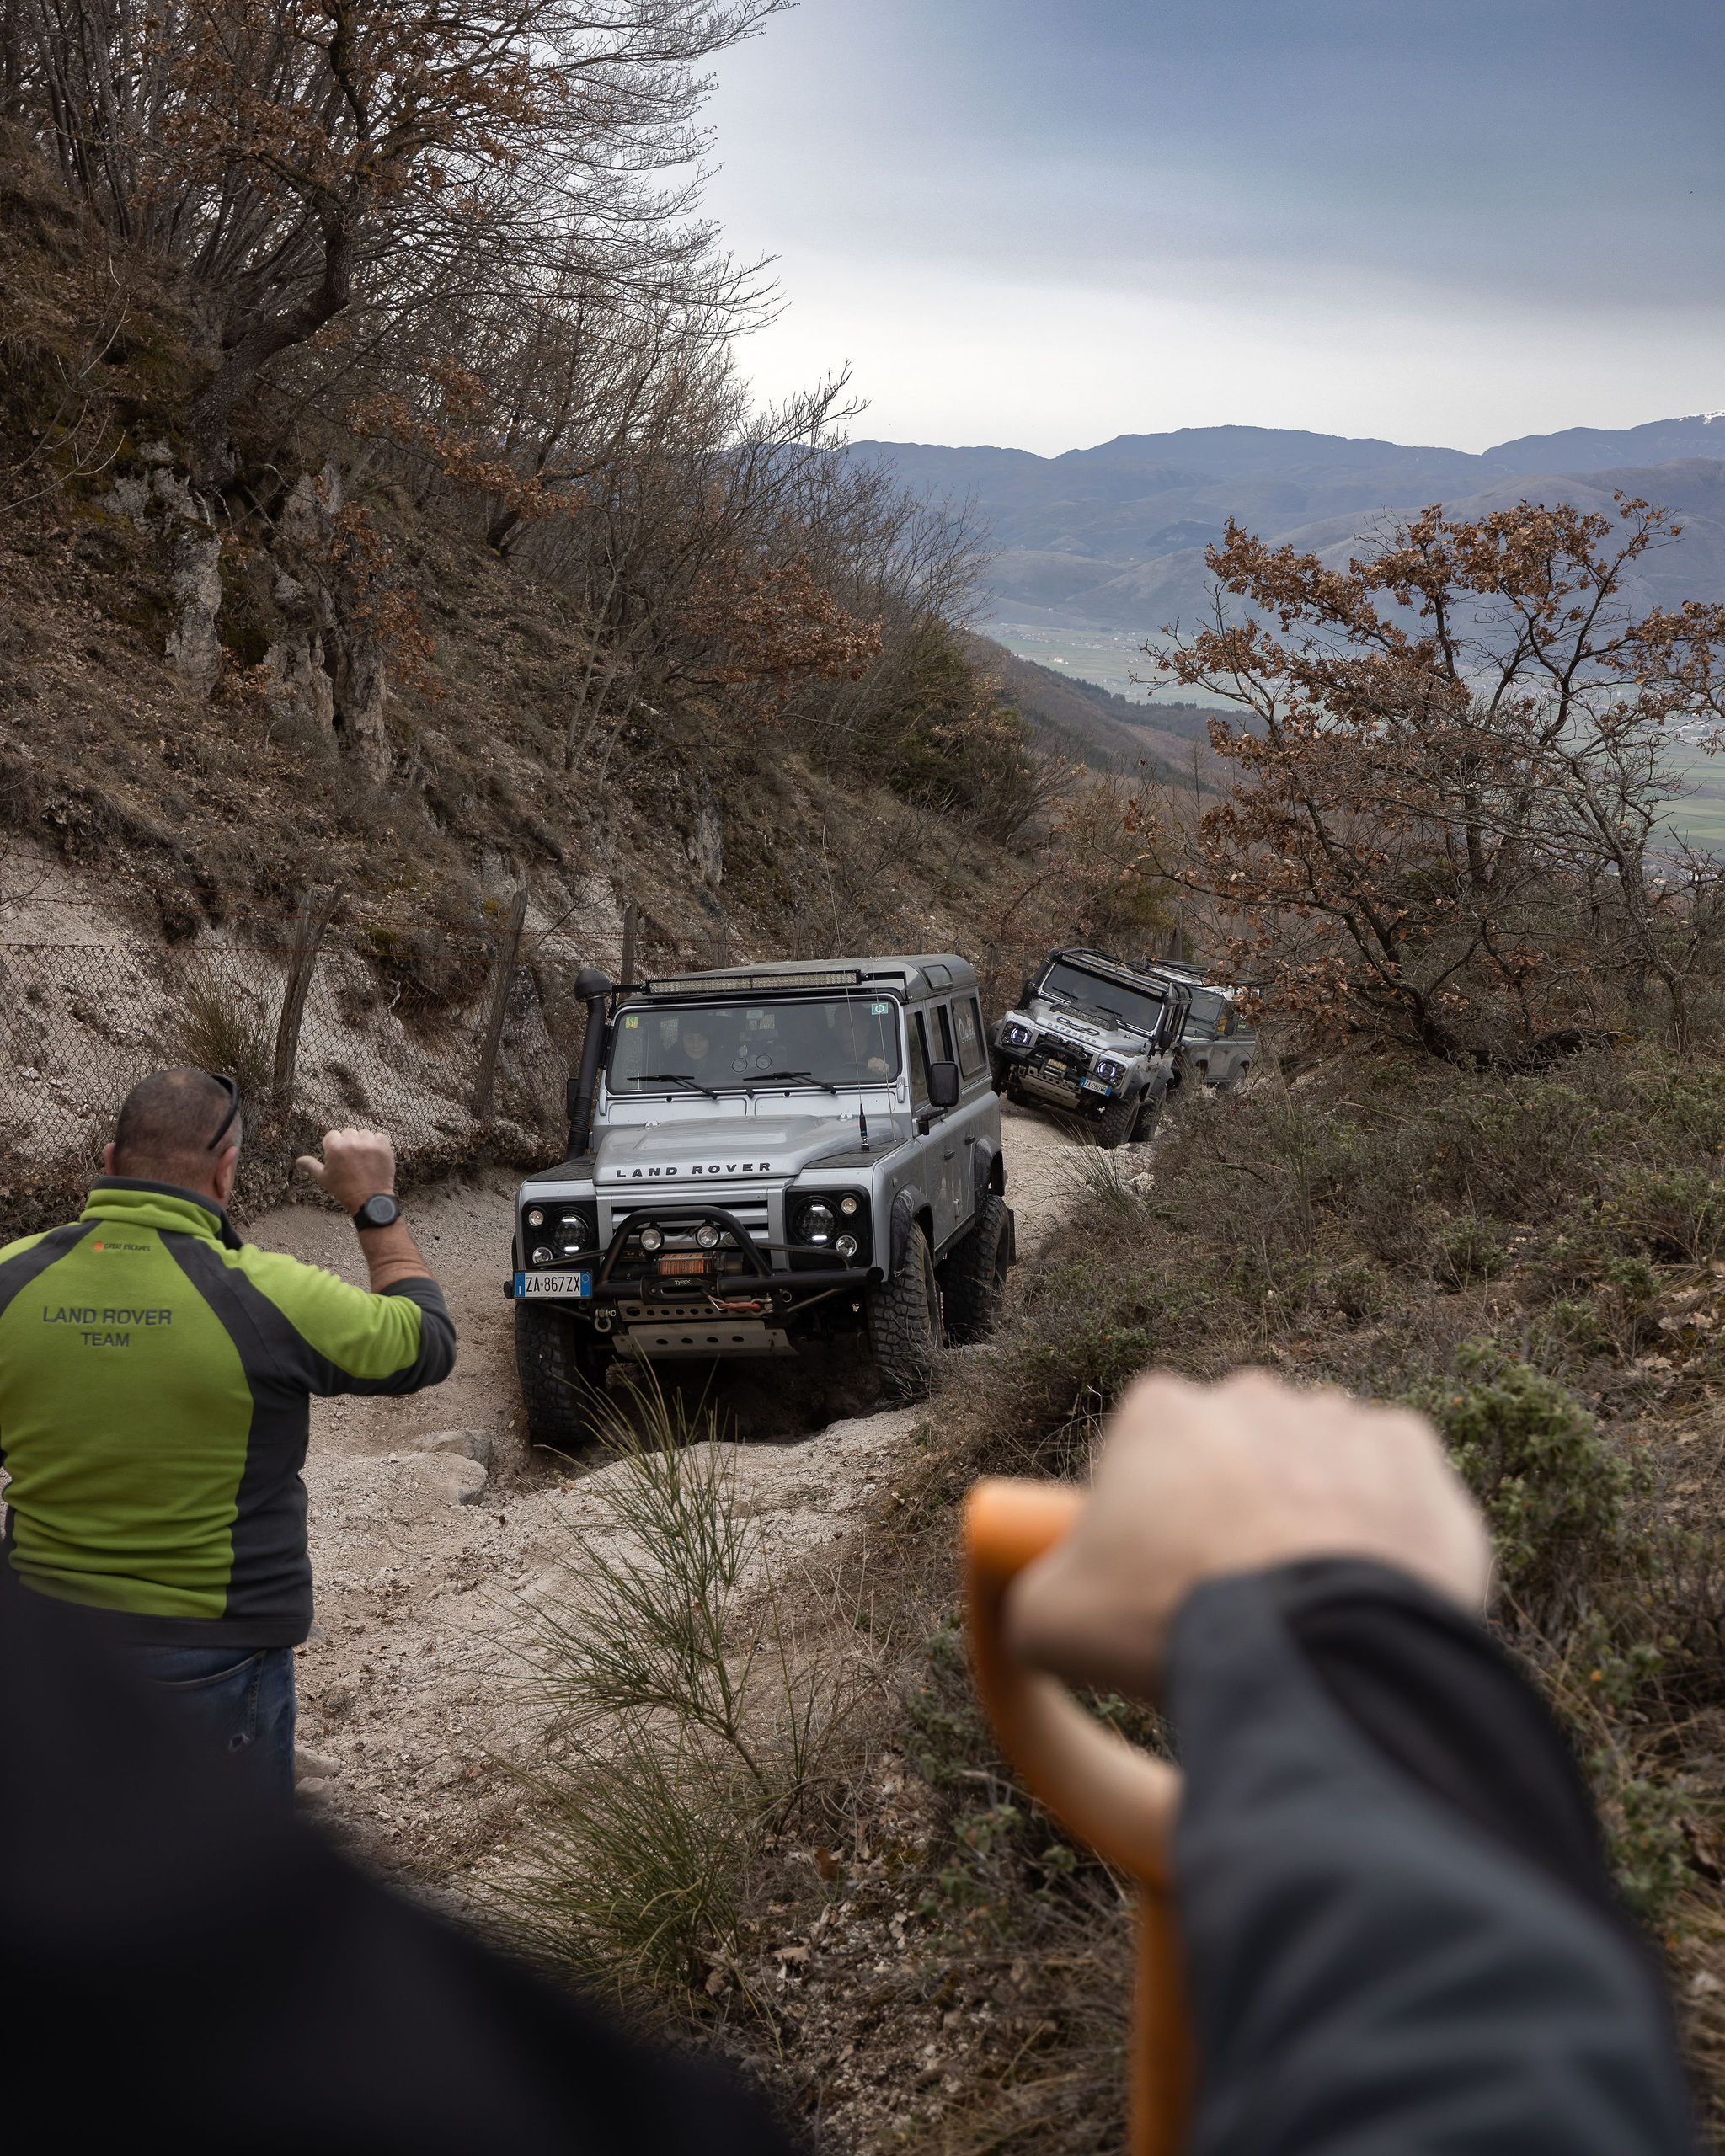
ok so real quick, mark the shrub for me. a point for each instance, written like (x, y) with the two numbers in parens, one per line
(1467, 1251)
(1554, 1489)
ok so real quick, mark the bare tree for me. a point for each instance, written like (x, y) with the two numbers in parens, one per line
(282, 155)
(1451, 818)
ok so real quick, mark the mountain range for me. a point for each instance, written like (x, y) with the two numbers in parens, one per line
(1113, 537)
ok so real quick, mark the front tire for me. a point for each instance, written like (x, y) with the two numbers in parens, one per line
(1118, 1121)
(976, 1272)
(557, 1371)
(904, 1322)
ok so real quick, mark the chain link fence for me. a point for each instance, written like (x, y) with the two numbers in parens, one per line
(438, 1036)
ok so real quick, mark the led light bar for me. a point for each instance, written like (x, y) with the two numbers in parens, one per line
(710, 983)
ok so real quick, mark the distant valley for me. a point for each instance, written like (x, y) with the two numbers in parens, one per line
(1096, 549)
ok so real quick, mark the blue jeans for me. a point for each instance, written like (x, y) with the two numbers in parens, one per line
(238, 1704)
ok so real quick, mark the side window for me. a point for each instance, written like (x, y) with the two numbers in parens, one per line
(967, 1022)
(939, 1020)
(919, 1057)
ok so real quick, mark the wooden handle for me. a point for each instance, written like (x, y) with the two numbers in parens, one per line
(1106, 1791)
(1103, 1790)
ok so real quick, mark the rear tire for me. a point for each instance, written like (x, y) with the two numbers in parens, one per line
(976, 1272)
(904, 1322)
(556, 1370)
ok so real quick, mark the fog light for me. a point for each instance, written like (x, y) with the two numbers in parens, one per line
(846, 1247)
(707, 1235)
(543, 1257)
(536, 1218)
(651, 1239)
(847, 1205)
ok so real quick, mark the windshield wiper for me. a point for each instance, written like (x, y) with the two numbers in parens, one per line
(676, 1078)
(773, 1076)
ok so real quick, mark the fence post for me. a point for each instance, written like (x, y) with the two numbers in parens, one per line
(630, 920)
(509, 951)
(317, 910)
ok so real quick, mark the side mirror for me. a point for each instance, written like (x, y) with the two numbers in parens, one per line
(942, 1084)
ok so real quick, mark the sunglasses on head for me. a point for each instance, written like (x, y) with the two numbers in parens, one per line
(232, 1089)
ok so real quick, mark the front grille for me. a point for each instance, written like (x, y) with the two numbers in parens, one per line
(753, 1210)
(1059, 1057)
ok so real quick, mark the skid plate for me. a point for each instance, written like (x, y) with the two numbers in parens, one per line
(704, 1336)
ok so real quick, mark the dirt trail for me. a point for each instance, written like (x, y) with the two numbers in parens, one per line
(406, 1687)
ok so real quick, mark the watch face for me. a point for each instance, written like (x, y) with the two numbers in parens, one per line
(378, 1212)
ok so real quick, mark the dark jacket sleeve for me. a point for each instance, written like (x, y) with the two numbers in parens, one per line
(436, 1335)
(1399, 1933)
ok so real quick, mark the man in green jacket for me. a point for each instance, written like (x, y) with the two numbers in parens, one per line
(156, 1375)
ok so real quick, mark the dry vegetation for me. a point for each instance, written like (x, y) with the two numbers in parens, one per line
(379, 502)
(875, 1918)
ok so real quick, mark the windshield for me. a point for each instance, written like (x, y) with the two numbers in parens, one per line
(718, 1048)
(1141, 1007)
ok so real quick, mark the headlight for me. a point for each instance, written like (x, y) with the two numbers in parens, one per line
(846, 1247)
(651, 1239)
(571, 1234)
(536, 1218)
(847, 1206)
(541, 1256)
(1111, 1073)
(1018, 1036)
(707, 1235)
(817, 1223)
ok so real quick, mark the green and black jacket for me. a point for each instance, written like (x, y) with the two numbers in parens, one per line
(156, 1375)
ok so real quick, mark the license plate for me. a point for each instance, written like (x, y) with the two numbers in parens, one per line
(563, 1285)
(1094, 1086)
(681, 1265)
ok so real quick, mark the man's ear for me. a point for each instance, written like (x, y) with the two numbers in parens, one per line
(225, 1169)
(107, 1158)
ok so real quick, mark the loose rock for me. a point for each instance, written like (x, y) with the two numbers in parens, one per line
(471, 1445)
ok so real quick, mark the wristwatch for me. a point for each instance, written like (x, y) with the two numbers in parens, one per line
(379, 1212)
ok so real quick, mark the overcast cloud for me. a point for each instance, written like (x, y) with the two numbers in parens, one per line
(1044, 225)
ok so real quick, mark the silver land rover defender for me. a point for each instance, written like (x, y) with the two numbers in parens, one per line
(1093, 1035)
(759, 1157)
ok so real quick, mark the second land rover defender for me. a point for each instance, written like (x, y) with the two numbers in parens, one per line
(1093, 1035)
(761, 1157)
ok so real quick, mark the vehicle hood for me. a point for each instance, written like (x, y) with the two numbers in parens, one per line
(1090, 1032)
(709, 1150)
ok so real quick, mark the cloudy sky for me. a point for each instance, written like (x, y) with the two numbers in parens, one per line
(1044, 223)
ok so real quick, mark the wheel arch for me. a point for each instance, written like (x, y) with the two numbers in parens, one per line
(911, 1209)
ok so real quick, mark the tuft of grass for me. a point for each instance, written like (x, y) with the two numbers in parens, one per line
(695, 1713)
(220, 1026)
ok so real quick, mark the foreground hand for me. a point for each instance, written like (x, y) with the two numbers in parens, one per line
(356, 1165)
(1196, 1481)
